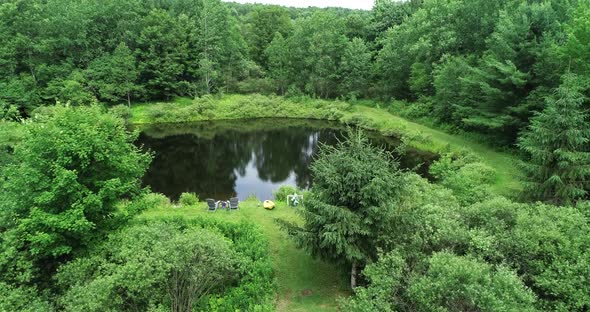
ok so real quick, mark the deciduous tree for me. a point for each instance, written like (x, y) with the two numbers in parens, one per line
(60, 193)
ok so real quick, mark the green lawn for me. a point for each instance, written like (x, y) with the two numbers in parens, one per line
(304, 284)
(257, 106)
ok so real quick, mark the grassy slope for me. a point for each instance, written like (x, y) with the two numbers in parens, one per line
(253, 106)
(304, 284)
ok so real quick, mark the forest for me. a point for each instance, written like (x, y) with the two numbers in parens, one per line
(497, 90)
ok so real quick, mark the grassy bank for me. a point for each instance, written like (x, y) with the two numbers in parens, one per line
(304, 284)
(230, 107)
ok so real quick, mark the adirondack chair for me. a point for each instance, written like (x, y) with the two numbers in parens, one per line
(234, 203)
(212, 204)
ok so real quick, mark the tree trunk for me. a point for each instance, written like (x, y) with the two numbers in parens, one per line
(353, 275)
(128, 99)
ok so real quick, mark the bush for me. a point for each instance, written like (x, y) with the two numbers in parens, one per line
(122, 111)
(550, 249)
(283, 191)
(469, 178)
(132, 271)
(188, 199)
(156, 112)
(152, 264)
(472, 183)
(455, 283)
(442, 282)
(449, 163)
(256, 85)
(416, 110)
(360, 121)
(584, 207)
(21, 299)
(146, 202)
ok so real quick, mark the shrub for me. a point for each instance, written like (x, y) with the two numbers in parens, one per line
(152, 264)
(550, 249)
(472, 182)
(21, 299)
(156, 112)
(283, 191)
(455, 283)
(146, 202)
(449, 163)
(132, 271)
(584, 207)
(256, 85)
(331, 113)
(122, 111)
(360, 121)
(416, 110)
(469, 178)
(188, 199)
(443, 282)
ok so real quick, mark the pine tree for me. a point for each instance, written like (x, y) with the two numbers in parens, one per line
(346, 217)
(557, 143)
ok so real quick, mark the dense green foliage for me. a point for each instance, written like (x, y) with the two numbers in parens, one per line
(61, 190)
(505, 71)
(488, 255)
(173, 265)
(478, 66)
(21, 299)
(188, 199)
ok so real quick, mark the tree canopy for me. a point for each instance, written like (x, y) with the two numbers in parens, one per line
(60, 192)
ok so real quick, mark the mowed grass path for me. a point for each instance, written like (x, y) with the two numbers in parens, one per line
(303, 283)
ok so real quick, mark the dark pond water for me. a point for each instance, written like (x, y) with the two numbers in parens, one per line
(242, 158)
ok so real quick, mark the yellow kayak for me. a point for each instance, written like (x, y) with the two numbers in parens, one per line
(268, 205)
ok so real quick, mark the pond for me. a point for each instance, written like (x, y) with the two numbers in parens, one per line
(244, 158)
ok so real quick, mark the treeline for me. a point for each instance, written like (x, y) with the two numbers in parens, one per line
(475, 65)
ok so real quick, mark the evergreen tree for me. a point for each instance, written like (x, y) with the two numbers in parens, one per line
(347, 216)
(557, 144)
